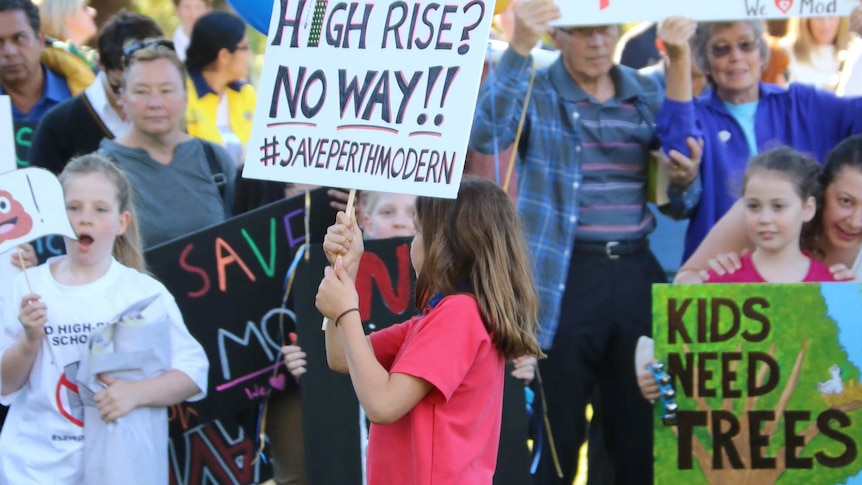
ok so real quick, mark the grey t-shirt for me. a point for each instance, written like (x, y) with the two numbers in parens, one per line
(178, 198)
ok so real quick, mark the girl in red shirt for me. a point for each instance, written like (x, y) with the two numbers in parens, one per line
(779, 193)
(780, 190)
(433, 386)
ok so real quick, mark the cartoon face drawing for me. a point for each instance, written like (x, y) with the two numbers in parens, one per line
(14, 221)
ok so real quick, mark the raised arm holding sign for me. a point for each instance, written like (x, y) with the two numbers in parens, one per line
(446, 365)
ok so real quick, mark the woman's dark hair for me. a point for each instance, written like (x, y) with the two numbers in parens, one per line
(118, 31)
(213, 32)
(801, 170)
(29, 9)
(848, 153)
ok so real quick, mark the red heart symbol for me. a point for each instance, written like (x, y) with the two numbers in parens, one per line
(784, 5)
(277, 382)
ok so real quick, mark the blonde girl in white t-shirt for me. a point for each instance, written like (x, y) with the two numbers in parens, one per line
(44, 338)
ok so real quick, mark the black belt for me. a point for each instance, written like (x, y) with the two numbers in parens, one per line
(612, 249)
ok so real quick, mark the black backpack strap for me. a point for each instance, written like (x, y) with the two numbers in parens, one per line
(96, 118)
(218, 177)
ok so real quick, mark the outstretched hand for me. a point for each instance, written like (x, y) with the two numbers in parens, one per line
(726, 263)
(33, 316)
(532, 21)
(676, 33)
(25, 253)
(338, 198)
(647, 384)
(337, 291)
(525, 369)
(294, 357)
(681, 169)
(841, 272)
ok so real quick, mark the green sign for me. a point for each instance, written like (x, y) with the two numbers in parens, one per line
(767, 383)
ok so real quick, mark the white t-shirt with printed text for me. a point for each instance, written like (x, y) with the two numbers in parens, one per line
(42, 438)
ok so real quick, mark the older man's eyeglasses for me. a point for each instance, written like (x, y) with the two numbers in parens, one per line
(587, 32)
(129, 51)
(723, 49)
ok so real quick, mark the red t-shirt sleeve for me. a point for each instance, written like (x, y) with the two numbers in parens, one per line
(443, 344)
(818, 272)
(387, 342)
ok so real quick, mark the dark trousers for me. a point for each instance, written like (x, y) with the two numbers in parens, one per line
(605, 308)
(601, 470)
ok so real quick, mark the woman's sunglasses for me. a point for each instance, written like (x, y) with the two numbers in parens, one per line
(129, 51)
(723, 49)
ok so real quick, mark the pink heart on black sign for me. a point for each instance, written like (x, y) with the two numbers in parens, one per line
(784, 5)
(277, 382)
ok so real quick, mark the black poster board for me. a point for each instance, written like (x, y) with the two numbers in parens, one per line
(228, 281)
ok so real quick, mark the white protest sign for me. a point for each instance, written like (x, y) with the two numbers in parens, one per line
(31, 206)
(7, 136)
(601, 12)
(363, 95)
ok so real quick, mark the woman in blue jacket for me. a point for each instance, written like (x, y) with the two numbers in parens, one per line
(739, 116)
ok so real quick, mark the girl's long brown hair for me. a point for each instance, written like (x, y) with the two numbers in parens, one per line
(474, 245)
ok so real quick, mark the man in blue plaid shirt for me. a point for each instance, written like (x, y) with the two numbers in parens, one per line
(582, 176)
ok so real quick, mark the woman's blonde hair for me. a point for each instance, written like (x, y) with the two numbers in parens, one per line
(474, 245)
(128, 248)
(367, 201)
(803, 41)
(53, 15)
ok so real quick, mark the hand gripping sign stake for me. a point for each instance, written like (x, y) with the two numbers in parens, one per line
(350, 199)
(31, 206)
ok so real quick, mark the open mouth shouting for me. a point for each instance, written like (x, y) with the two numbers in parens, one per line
(85, 240)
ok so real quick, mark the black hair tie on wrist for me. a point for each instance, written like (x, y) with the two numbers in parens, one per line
(345, 312)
